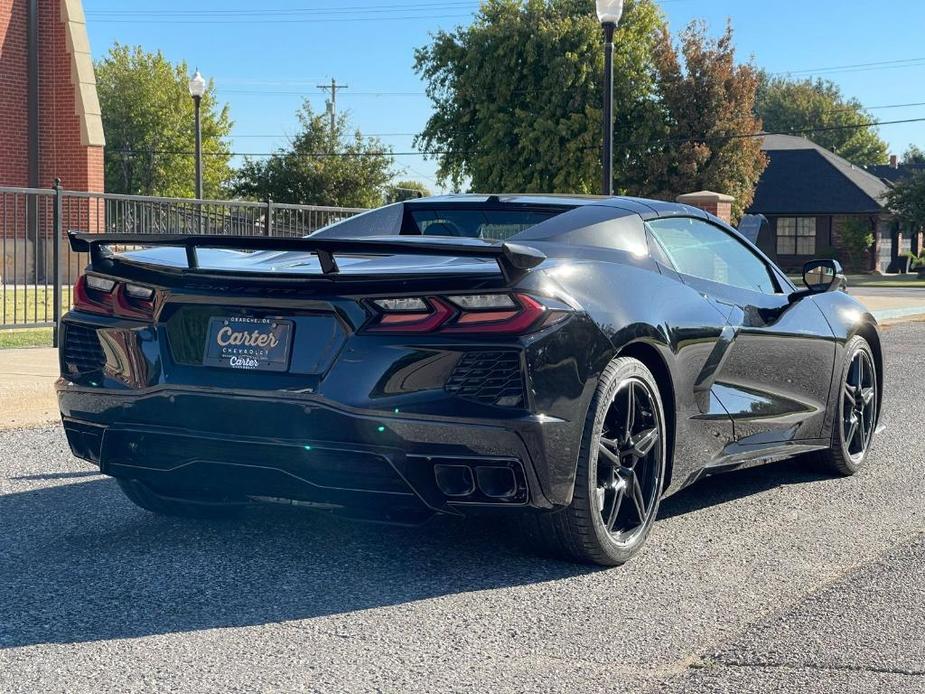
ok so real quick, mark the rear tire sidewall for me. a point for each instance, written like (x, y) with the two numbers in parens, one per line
(619, 371)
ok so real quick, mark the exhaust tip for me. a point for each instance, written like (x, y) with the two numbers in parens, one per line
(455, 480)
(496, 482)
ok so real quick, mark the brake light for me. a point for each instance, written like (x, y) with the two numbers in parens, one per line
(94, 294)
(107, 297)
(498, 314)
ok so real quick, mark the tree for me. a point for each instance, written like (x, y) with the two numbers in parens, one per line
(914, 155)
(707, 103)
(857, 238)
(817, 110)
(149, 126)
(321, 167)
(407, 190)
(517, 96)
(907, 200)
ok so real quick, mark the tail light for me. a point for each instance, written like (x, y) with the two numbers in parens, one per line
(107, 297)
(497, 314)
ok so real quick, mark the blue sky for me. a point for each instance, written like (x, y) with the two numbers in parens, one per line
(266, 57)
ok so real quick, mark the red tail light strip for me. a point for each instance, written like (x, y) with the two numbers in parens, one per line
(91, 301)
(112, 303)
(415, 322)
(446, 318)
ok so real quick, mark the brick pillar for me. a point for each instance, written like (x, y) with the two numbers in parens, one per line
(717, 204)
(70, 133)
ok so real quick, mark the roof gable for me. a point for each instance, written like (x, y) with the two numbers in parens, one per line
(804, 178)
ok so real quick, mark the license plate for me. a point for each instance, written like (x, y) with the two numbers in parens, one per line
(250, 344)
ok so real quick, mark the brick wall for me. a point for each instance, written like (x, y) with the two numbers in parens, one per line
(70, 131)
(14, 135)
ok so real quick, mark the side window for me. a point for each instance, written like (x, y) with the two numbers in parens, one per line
(699, 249)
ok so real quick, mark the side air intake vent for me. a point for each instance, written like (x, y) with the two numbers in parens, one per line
(492, 378)
(82, 352)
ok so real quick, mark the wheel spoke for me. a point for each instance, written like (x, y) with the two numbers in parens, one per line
(612, 458)
(852, 430)
(849, 393)
(643, 442)
(630, 409)
(867, 396)
(862, 431)
(619, 492)
(610, 444)
(638, 499)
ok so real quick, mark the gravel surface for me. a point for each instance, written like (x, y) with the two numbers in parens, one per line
(775, 578)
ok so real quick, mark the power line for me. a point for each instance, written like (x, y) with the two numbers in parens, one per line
(320, 20)
(857, 67)
(341, 9)
(387, 153)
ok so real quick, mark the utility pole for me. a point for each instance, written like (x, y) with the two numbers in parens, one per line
(332, 102)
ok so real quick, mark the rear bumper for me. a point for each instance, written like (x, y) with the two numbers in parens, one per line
(304, 448)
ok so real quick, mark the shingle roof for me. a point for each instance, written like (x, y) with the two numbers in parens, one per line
(804, 178)
(894, 175)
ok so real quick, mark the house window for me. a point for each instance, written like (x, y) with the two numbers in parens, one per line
(796, 236)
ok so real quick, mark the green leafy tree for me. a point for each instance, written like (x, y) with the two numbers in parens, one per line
(321, 167)
(914, 155)
(817, 110)
(407, 190)
(707, 102)
(857, 238)
(517, 96)
(907, 200)
(149, 125)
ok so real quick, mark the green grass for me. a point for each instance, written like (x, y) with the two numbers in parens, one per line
(910, 281)
(25, 337)
(24, 304)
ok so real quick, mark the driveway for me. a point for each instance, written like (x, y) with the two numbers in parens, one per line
(770, 579)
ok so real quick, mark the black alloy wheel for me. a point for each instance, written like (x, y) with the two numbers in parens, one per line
(857, 411)
(621, 473)
(628, 461)
(859, 406)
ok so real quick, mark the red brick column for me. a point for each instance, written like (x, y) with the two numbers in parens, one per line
(717, 204)
(69, 127)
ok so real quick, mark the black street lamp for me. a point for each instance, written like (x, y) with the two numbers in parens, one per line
(197, 87)
(609, 13)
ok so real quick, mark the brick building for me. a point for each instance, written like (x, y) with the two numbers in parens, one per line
(809, 195)
(50, 123)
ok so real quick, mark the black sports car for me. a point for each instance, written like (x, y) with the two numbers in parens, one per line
(571, 359)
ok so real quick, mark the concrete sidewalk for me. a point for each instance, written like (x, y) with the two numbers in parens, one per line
(27, 394)
(27, 376)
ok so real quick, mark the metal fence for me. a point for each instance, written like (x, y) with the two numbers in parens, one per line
(38, 268)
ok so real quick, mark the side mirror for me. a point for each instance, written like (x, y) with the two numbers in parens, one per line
(821, 276)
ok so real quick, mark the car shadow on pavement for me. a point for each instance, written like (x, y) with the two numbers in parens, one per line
(78, 562)
(737, 484)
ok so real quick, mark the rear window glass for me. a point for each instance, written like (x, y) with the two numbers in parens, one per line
(498, 225)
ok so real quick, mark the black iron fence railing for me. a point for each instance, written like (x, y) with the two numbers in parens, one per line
(38, 268)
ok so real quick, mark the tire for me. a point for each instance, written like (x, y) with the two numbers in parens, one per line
(143, 496)
(580, 531)
(846, 456)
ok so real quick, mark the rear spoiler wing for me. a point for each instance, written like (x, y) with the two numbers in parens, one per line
(514, 260)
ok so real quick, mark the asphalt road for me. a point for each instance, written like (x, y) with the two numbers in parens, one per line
(771, 579)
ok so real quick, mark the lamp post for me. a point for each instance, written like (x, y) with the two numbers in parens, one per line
(197, 87)
(609, 13)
